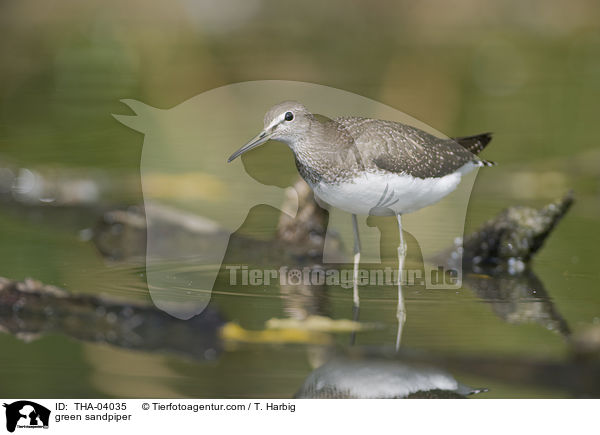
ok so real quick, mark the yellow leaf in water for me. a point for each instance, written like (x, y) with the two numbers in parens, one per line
(319, 323)
(234, 332)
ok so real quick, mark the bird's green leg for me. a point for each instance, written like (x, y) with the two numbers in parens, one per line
(401, 312)
(356, 299)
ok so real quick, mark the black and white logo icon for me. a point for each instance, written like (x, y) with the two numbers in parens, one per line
(26, 414)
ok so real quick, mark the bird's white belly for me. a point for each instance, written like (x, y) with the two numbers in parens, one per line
(388, 194)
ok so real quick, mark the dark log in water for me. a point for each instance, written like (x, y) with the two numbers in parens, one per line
(496, 261)
(507, 242)
(30, 309)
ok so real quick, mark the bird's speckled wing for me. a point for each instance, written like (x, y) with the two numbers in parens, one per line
(399, 148)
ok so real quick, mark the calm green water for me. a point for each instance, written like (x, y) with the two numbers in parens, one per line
(536, 85)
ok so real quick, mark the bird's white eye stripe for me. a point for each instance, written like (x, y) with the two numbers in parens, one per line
(278, 120)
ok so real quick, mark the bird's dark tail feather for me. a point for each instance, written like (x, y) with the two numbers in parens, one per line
(476, 143)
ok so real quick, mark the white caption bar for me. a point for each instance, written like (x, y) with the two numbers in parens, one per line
(297, 416)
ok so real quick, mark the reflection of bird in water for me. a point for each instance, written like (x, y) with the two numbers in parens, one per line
(346, 378)
(363, 165)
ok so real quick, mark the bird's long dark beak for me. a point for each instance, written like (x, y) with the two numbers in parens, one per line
(256, 141)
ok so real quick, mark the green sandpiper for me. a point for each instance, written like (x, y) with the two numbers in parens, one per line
(369, 166)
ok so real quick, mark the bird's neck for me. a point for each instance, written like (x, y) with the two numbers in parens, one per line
(327, 153)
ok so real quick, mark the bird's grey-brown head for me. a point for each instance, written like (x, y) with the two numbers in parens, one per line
(285, 122)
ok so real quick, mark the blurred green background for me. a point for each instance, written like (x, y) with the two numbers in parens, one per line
(527, 71)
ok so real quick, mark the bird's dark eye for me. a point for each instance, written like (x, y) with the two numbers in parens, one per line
(288, 116)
